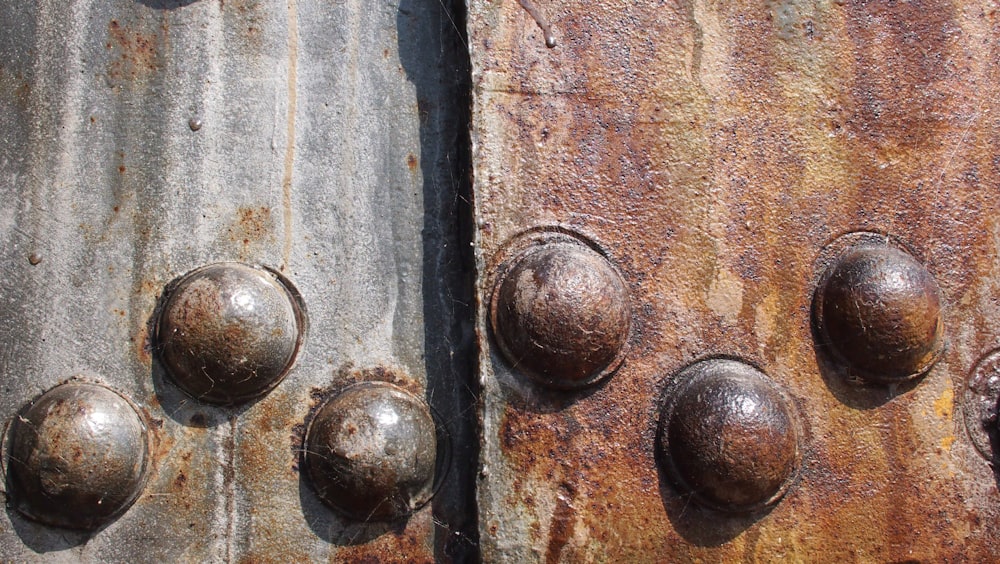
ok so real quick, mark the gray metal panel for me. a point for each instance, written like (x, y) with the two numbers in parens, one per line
(146, 139)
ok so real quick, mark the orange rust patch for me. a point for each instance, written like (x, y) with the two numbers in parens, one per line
(143, 347)
(252, 226)
(135, 54)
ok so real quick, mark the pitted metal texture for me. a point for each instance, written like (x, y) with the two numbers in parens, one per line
(719, 154)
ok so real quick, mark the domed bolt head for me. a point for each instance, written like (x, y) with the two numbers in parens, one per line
(370, 452)
(729, 437)
(77, 457)
(879, 312)
(229, 332)
(561, 315)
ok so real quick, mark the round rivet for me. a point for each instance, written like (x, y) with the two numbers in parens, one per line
(981, 403)
(229, 332)
(77, 457)
(878, 311)
(370, 452)
(194, 124)
(560, 313)
(728, 436)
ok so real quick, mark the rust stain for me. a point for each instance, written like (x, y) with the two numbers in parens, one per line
(715, 155)
(179, 481)
(266, 463)
(561, 526)
(944, 406)
(141, 343)
(411, 162)
(946, 442)
(409, 544)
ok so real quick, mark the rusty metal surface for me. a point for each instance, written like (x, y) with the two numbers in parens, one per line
(145, 139)
(717, 153)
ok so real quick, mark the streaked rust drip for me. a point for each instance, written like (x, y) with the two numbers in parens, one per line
(543, 24)
(286, 179)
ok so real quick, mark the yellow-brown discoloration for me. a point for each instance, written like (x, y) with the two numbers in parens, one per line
(715, 149)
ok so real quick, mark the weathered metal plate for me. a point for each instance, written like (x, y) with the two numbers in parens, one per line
(145, 139)
(715, 152)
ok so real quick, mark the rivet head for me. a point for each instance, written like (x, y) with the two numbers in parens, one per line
(560, 313)
(370, 452)
(878, 311)
(980, 406)
(229, 332)
(77, 457)
(728, 436)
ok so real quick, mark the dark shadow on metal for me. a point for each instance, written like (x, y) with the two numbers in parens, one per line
(433, 52)
(165, 4)
(525, 394)
(992, 431)
(333, 528)
(43, 539)
(36, 536)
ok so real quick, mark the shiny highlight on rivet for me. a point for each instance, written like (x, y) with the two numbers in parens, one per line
(229, 332)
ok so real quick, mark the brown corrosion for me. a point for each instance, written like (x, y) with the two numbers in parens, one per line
(252, 227)
(269, 458)
(78, 456)
(729, 437)
(135, 51)
(370, 452)
(715, 150)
